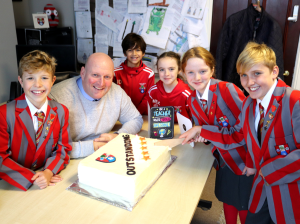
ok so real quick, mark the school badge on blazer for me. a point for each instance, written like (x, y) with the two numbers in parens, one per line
(223, 121)
(282, 149)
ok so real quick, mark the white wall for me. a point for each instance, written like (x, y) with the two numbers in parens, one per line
(8, 40)
(23, 12)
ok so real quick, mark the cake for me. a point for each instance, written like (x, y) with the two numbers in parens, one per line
(124, 169)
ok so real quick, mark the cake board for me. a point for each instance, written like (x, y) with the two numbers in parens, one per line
(97, 194)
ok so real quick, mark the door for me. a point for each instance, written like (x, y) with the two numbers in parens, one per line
(280, 10)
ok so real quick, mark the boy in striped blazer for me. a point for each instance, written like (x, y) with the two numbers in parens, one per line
(34, 130)
(269, 123)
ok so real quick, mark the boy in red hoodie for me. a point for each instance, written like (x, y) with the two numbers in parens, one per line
(133, 75)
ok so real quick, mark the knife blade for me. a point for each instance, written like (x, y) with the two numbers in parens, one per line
(169, 142)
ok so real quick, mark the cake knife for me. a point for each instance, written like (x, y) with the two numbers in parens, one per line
(169, 142)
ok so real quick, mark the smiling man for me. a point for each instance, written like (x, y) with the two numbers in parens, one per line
(96, 104)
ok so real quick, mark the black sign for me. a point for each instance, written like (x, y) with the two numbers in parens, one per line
(161, 122)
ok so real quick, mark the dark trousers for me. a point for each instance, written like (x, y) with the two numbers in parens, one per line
(261, 217)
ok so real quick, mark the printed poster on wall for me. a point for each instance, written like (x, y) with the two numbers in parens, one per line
(161, 122)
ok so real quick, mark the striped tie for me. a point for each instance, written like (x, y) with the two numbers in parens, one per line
(40, 116)
(204, 105)
(260, 123)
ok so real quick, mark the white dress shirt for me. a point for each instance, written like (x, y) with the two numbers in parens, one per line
(265, 103)
(33, 110)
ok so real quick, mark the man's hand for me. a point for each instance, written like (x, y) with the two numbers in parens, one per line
(42, 178)
(191, 134)
(249, 171)
(103, 139)
(98, 145)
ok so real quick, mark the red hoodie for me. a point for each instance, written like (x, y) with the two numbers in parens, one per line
(135, 82)
(158, 97)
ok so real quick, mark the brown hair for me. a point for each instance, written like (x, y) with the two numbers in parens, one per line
(253, 54)
(199, 52)
(171, 54)
(37, 60)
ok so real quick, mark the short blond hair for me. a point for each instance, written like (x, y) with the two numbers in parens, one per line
(254, 54)
(199, 52)
(35, 61)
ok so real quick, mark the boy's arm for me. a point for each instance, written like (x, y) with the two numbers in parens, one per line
(59, 157)
(142, 108)
(11, 171)
(285, 169)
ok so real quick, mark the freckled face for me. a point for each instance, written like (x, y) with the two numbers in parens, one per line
(258, 80)
(198, 74)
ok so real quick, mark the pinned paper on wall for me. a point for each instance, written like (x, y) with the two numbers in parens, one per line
(137, 6)
(109, 17)
(178, 41)
(99, 3)
(193, 26)
(157, 26)
(150, 62)
(81, 5)
(130, 24)
(121, 6)
(194, 8)
(83, 24)
(84, 49)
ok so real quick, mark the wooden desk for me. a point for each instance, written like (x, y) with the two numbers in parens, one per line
(173, 198)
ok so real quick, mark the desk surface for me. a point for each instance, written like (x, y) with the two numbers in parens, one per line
(172, 199)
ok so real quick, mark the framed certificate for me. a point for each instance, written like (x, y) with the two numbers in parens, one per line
(40, 20)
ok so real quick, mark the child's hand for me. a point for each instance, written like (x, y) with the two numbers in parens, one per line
(260, 173)
(55, 179)
(200, 139)
(249, 171)
(191, 134)
(42, 178)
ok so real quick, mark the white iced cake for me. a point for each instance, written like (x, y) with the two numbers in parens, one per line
(124, 169)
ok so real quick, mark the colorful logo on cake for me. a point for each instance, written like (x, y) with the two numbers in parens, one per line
(162, 132)
(142, 87)
(104, 158)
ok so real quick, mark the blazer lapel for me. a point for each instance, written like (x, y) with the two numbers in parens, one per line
(270, 117)
(202, 114)
(24, 117)
(252, 121)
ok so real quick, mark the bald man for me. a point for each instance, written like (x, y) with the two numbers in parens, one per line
(95, 104)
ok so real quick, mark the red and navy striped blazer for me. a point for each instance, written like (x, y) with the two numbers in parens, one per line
(19, 155)
(224, 101)
(281, 127)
